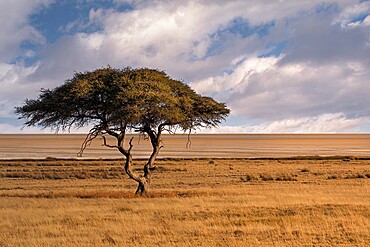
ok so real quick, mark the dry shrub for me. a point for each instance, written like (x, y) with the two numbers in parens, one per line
(211, 162)
(266, 177)
(354, 176)
(285, 178)
(248, 178)
(108, 239)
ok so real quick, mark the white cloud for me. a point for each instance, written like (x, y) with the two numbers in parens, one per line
(13, 129)
(367, 21)
(348, 15)
(322, 71)
(16, 29)
(238, 79)
(325, 123)
(15, 86)
(177, 36)
(6, 128)
(15, 26)
(264, 89)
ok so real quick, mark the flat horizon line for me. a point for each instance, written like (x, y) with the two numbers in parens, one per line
(282, 133)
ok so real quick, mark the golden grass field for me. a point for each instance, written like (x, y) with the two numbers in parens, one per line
(194, 201)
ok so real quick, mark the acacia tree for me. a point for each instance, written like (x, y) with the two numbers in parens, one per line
(115, 101)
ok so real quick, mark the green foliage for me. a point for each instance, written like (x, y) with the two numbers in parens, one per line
(110, 98)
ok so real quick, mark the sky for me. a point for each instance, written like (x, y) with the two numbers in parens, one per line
(281, 66)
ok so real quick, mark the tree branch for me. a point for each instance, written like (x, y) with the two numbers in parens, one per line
(111, 132)
(131, 145)
(188, 144)
(94, 132)
(107, 145)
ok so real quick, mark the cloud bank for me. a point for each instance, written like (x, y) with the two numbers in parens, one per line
(281, 66)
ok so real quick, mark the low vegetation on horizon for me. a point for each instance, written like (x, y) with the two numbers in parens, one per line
(195, 202)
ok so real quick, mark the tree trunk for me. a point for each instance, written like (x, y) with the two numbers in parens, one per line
(143, 180)
(144, 184)
(143, 187)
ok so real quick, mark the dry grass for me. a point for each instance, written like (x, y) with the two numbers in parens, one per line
(195, 202)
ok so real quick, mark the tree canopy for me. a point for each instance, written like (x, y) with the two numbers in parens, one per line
(113, 101)
(113, 98)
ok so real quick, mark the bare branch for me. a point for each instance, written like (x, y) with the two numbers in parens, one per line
(94, 132)
(131, 145)
(111, 132)
(107, 145)
(188, 144)
(169, 131)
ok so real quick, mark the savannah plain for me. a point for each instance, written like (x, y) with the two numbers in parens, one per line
(222, 190)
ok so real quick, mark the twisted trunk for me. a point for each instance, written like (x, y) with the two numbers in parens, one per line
(142, 180)
(143, 187)
(144, 184)
(145, 179)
